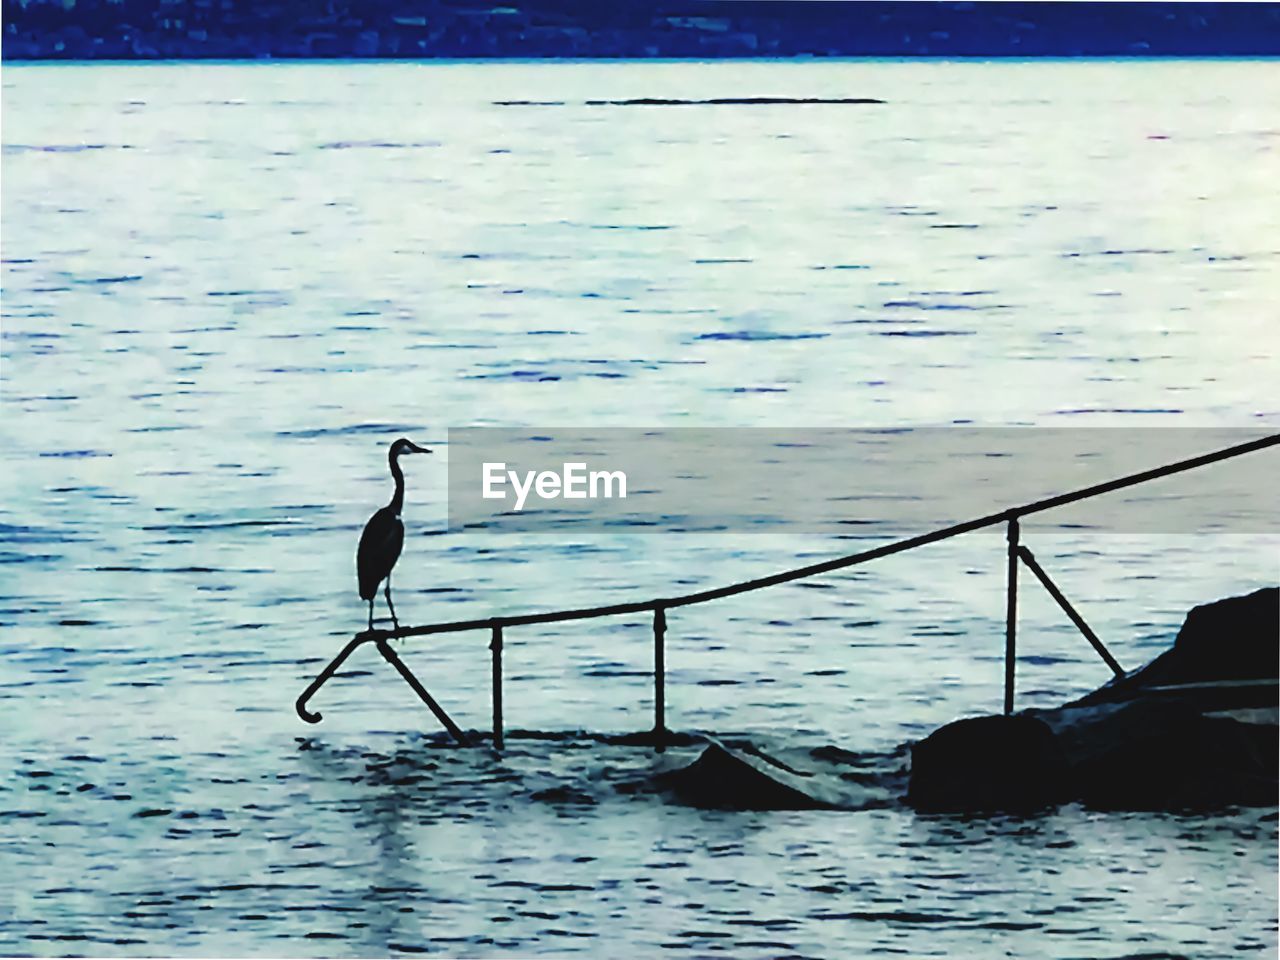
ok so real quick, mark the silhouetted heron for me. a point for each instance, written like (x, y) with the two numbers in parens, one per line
(384, 536)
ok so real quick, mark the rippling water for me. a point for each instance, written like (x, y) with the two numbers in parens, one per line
(227, 287)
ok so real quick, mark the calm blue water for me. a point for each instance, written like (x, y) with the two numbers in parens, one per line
(227, 287)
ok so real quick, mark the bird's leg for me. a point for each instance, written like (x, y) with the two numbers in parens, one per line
(394, 622)
(370, 613)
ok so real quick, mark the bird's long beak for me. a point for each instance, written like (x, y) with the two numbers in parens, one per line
(414, 448)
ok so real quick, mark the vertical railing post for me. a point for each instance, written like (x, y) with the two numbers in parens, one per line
(1011, 616)
(495, 645)
(659, 678)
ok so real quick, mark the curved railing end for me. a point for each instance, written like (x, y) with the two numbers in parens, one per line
(301, 703)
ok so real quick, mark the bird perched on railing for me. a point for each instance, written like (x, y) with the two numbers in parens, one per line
(383, 536)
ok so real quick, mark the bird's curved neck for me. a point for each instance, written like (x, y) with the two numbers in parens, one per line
(397, 500)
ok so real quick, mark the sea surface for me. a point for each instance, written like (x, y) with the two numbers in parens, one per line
(228, 287)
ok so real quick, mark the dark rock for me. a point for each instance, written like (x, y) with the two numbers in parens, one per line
(1163, 755)
(725, 778)
(987, 764)
(1194, 729)
(1233, 639)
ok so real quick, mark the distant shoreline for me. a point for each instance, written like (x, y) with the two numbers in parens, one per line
(553, 61)
(689, 30)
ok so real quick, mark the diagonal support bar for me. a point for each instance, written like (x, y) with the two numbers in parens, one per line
(301, 703)
(378, 637)
(1029, 559)
(390, 656)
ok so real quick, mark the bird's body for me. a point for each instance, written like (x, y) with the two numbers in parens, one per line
(383, 537)
(380, 546)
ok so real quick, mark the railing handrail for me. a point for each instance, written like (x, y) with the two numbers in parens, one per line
(836, 563)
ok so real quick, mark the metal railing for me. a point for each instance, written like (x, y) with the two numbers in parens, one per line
(658, 607)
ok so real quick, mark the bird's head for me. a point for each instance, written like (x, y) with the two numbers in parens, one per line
(403, 446)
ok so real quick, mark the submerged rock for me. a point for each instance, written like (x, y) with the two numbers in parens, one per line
(1195, 728)
(728, 778)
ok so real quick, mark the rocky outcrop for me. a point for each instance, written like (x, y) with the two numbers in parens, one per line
(1236, 639)
(1194, 728)
(1163, 755)
(985, 763)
